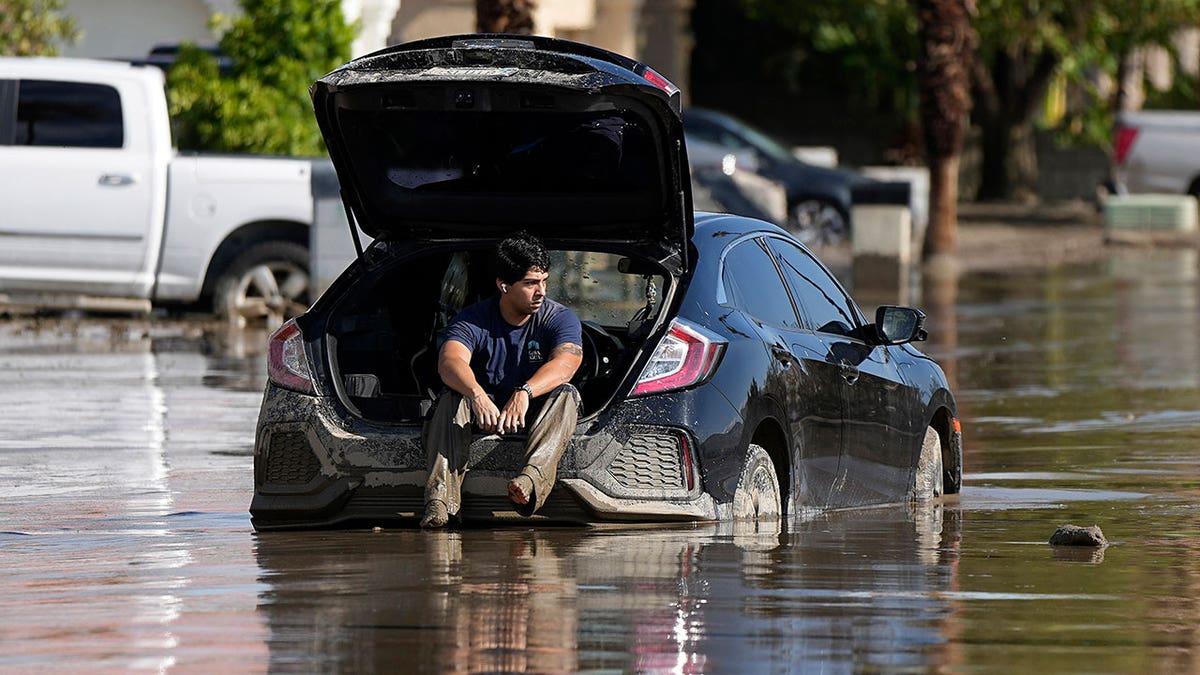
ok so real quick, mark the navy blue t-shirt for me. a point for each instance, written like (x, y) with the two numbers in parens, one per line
(504, 356)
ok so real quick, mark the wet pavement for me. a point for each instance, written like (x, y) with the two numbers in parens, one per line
(125, 474)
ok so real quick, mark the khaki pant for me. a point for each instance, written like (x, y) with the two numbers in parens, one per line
(448, 440)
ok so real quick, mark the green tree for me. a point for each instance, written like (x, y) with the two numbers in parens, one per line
(34, 27)
(1023, 46)
(276, 48)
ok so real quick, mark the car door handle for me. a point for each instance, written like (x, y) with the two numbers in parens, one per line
(850, 371)
(116, 180)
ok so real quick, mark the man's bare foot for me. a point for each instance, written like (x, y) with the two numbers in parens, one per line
(435, 514)
(520, 489)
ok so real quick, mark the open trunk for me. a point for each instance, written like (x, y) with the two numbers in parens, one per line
(383, 336)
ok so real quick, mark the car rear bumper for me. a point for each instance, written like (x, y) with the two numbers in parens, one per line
(315, 467)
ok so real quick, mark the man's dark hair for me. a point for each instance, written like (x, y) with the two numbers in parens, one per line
(516, 254)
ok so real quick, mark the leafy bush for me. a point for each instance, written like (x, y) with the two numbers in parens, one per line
(260, 104)
(34, 27)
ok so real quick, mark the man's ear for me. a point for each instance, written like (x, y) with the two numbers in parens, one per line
(503, 286)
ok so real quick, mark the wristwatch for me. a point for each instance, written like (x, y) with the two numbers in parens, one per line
(528, 392)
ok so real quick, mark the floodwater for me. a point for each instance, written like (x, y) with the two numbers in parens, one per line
(125, 474)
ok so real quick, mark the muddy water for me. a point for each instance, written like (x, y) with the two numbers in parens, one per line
(125, 545)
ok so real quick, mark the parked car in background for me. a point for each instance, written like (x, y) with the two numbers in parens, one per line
(818, 197)
(1157, 151)
(98, 204)
(726, 373)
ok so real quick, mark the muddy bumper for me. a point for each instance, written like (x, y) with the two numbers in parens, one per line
(315, 467)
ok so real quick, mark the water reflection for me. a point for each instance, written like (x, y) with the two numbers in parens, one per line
(864, 587)
(107, 430)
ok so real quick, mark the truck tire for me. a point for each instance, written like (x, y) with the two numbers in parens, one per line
(757, 495)
(816, 222)
(267, 283)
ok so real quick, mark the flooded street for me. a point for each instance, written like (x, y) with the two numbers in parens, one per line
(125, 475)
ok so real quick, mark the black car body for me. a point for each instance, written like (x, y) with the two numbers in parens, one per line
(705, 382)
(819, 198)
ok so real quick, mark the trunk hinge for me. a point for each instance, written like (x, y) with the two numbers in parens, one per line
(358, 248)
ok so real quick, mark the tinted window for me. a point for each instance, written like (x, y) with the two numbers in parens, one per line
(752, 284)
(493, 166)
(76, 114)
(823, 304)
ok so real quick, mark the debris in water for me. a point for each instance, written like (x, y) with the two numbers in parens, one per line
(1073, 535)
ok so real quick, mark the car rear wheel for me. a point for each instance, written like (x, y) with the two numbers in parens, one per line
(267, 284)
(757, 495)
(817, 222)
(927, 482)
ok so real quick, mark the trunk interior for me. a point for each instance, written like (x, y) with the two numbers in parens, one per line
(385, 334)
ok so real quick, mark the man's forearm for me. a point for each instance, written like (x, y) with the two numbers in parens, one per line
(459, 377)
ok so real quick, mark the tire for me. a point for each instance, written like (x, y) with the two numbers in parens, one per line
(818, 222)
(927, 479)
(267, 283)
(757, 497)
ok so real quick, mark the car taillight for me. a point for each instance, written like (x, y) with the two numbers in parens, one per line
(287, 366)
(1123, 143)
(686, 356)
(659, 81)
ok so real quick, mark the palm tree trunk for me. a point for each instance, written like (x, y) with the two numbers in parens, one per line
(948, 45)
(504, 16)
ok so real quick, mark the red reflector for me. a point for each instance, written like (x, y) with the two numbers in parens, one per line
(957, 426)
(687, 460)
(1123, 143)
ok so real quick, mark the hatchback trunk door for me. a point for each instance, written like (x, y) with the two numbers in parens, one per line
(474, 137)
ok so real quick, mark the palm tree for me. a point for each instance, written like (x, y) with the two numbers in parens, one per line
(948, 44)
(504, 16)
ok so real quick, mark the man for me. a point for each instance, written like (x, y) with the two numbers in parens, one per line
(506, 360)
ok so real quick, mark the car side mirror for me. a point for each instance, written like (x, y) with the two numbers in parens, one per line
(898, 325)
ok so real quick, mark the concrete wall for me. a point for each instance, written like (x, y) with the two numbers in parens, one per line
(127, 28)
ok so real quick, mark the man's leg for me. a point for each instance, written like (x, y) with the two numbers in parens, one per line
(548, 438)
(447, 446)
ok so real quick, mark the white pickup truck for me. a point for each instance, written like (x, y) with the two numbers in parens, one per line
(1157, 152)
(97, 209)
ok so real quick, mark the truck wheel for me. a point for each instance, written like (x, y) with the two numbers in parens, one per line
(757, 495)
(927, 483)
(267, 283)
(817, 222)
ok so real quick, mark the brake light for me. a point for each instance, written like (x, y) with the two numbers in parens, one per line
(1123, 143)
(659, 81)
(686, 356)
(287, 366)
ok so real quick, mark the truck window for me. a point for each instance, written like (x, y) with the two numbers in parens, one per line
(75, 114)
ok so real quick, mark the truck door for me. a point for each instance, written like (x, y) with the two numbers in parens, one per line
(81, 193)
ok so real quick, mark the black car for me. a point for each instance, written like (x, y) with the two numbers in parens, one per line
(726, 373)
(818, 197)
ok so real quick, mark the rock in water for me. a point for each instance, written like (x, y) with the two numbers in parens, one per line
(1073, 535)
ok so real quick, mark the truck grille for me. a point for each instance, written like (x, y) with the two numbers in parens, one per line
(648, 462)
(290, 461)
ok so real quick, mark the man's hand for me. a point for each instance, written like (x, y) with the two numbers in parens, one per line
(512, 418)
(487, 415)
